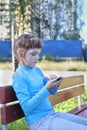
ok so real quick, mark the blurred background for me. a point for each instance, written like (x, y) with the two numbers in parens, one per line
(61, 25)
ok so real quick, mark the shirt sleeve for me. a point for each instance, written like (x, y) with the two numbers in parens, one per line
(27, 103)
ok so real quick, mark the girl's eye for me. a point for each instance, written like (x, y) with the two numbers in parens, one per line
(33, 54)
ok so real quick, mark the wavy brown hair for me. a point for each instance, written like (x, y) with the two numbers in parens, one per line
(25, 41)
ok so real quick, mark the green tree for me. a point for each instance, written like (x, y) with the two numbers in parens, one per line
(48, 19)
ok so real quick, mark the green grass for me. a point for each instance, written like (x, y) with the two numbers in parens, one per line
(63, 66)
(55, 66)
(18, 125)
(5, 65)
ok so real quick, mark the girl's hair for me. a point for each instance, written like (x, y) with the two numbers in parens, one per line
(26, 41)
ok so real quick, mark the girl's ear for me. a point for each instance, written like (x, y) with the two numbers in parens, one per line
(20, 52)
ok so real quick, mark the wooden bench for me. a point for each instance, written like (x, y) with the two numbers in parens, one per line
(70, 87)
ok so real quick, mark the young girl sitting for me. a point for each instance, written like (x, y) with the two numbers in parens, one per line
(32, 89)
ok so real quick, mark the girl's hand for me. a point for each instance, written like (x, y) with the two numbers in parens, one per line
(52, 83)
(52, 76)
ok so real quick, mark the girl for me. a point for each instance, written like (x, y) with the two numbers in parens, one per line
(33, 88)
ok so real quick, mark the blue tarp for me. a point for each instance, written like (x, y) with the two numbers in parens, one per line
(85, 54)
(55, 48)
(62, 48)
(5, 49)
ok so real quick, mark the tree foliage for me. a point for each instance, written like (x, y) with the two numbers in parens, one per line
(48, 19)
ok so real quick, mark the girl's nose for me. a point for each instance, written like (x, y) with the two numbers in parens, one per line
(37, 57)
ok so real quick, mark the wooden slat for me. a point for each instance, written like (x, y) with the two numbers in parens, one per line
(63, 95)
(72, 81)
(7, 94)
(11, 113)
(83, 113)
(80, 110)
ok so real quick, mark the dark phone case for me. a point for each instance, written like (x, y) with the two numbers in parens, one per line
(59, 78)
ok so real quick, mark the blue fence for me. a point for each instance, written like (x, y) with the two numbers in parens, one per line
(55, 48)
(62, 48)
(5, 50)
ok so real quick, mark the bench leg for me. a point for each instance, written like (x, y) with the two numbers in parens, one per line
(4, 127)
(79, 101)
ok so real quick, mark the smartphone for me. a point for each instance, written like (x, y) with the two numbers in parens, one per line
(59, 78)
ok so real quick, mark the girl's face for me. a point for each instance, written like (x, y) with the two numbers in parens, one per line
(31, 57)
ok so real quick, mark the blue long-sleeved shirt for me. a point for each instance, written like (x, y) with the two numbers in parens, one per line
(28, 85)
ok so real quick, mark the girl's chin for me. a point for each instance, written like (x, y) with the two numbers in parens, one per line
(31, 66)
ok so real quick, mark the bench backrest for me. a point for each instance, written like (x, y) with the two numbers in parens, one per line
(11, 110)
(70, 87)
